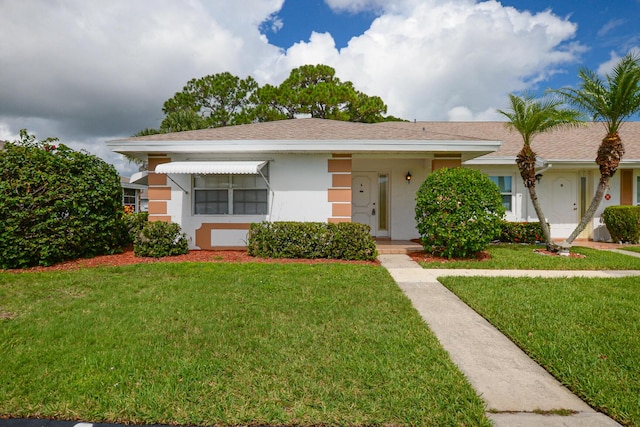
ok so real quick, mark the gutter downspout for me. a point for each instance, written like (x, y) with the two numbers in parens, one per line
(544, 169)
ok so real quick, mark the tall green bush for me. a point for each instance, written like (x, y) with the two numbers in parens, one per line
(458, 212)
(623, 223)
(56, 204)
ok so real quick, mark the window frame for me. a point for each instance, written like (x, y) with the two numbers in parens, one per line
(130, 199)
(510, 193)
(230, 186)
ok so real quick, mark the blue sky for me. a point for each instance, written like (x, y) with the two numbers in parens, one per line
(603, 27)
(88, 72)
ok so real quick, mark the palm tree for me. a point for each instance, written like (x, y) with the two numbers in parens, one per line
(530, 116)
(611, 101)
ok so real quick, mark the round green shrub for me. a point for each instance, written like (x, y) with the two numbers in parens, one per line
(623, 223)
(159, 239)
(133, 224)
(458, 212)
(56, 204)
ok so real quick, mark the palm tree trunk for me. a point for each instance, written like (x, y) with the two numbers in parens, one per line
(526, 161)
(603, 185)
(610, 153)
(543, 221)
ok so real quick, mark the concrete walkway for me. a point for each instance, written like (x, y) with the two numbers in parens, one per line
(517, 391)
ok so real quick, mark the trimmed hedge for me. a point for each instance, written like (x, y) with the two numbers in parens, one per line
(521, 232)
(623, 223)
(159, 239)
(285, 239)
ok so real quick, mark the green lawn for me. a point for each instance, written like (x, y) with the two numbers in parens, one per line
(226, 344)
(523, 257)
(583, 331)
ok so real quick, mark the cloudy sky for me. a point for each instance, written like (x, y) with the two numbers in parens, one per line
(87, 71)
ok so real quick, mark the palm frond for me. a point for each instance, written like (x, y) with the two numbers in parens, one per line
(530, 116)
(611, 100)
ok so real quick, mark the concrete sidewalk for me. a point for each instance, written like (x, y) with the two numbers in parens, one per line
(517, 390)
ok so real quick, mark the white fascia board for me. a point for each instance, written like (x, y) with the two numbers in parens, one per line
(503, 160)
(293, 146)
(492, 160)
(591, 163)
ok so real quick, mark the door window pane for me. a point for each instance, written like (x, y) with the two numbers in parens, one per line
(383, 189)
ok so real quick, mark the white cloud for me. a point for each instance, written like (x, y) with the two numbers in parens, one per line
(610, 26)
(426, 58)
(116, 62)
(91, 71)
(607, 66)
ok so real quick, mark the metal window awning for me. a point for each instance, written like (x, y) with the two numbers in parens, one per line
(141, 178)
(210, 167)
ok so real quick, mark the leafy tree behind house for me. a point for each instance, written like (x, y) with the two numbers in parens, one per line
(56, 204)
(612, 100)
(224, 99)
(218, 100)
(530, 117)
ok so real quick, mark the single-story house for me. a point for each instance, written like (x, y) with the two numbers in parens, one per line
(215, 182)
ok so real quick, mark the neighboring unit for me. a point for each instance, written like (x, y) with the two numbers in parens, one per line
(215, 182)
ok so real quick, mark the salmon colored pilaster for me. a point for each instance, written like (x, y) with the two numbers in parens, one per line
(338, 220)
(157, 179)
(163, 218)
(339, 195)
(157, 160)
(158, 207)
(445, 163)
(159, 193)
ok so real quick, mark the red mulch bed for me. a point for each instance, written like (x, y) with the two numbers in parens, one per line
(128, 258)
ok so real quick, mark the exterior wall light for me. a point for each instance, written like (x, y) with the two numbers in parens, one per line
(408, 177)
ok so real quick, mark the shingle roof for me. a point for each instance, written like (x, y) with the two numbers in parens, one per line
(304, 129)
(579, 144)
(574, 144)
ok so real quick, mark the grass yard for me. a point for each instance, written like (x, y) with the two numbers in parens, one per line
(523, 257)
(224, 344)
(583, 331)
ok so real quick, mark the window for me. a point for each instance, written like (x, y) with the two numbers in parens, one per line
(130, 198)
(230, 194)
(504, 183)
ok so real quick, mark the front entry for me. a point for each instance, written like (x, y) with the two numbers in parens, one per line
(560, 203)
(366, 207)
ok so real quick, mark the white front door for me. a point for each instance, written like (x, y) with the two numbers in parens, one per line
(364, 199)
(560, 203)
